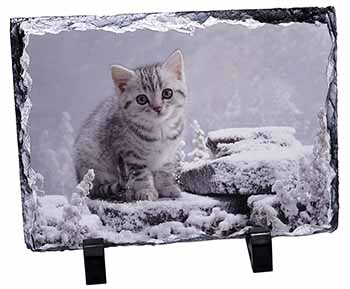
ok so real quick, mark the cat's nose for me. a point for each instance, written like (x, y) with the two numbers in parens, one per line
(157, 108)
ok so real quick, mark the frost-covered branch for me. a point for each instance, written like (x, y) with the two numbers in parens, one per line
(83, 190)
(304, 199)
(200, 150)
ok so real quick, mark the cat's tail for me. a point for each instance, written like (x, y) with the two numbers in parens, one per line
(118, 191)
(122, 173)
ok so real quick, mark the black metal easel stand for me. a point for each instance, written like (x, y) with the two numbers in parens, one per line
(94, 260)
(258, 240)
(259, 245)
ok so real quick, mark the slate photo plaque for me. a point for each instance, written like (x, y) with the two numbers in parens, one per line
(166, 127)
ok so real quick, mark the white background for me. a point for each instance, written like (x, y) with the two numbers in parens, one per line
(319, 261)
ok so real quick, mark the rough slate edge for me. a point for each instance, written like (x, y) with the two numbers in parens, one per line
(22, 80)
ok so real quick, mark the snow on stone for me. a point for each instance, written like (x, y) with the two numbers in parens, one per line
(170, 231)
(246, 173)
(250, 132)
(63, 224)
(219, 221)
(265, 213)
(225, 138)
(134, 216)
(245, 161)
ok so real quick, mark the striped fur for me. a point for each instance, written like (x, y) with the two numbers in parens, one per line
(131, 146)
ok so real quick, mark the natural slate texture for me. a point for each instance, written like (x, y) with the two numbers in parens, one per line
(271, 16)
(21, 28)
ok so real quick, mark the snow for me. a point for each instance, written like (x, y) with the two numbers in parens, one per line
(134, 216)
(238, 140)
(51, 207)
(166, 220)
(218, 221)
(264, 213)
(287, 187)
(61, 224)
(245, 161)
(170, 231)
(303, 202)
(250, 133)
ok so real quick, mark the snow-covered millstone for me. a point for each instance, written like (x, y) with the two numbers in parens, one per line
(135, 215)
(245, 161)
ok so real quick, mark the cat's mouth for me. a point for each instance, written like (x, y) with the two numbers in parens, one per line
(159, 114)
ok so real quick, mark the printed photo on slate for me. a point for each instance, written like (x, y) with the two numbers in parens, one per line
(166, 127)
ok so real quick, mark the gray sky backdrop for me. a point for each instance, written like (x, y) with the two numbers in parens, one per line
(237, 77)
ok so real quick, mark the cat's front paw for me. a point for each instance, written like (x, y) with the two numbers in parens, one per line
(170, 191)
(146, 195)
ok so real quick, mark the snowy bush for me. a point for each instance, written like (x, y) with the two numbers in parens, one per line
(71, 232)
(265, 213)
(317, 177)
(60, 223)
(304, 199)
(38, 185)
(200, 150)
(73, 227)
(83, 190)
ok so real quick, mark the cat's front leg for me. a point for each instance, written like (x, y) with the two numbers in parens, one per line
(142, 183)
(165, 182)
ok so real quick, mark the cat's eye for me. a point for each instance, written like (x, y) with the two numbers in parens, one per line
(167, 93)
(141, 99)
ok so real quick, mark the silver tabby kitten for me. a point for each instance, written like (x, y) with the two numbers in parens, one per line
(131, 140)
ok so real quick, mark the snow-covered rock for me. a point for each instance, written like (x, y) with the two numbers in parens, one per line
(237, 140)
(265, 213)
(60, 224)
(136, 215)
(168, 220)
(245, 161)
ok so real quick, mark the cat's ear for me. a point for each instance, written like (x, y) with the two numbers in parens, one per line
(121, 76)
(175, 64)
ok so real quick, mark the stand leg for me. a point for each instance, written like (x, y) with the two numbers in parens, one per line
(259, 245)
(94, 260)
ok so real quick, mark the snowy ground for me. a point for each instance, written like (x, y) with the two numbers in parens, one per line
(284, 186)
(154, 222)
